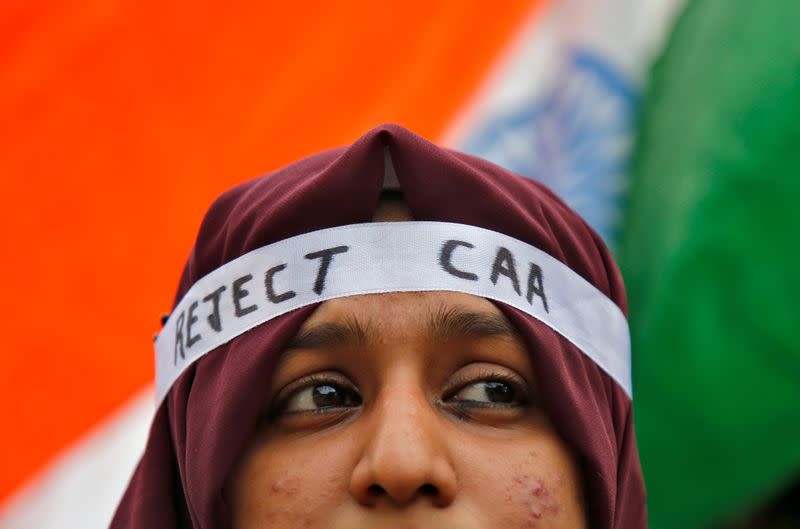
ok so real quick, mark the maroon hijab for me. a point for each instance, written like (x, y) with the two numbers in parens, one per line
(209, 414)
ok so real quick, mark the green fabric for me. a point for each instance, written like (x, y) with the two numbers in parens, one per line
(711, 258)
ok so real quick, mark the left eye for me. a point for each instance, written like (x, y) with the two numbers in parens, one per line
(319, 397)
(488, 392)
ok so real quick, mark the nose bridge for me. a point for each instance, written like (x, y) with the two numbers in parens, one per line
(400, 427)
(404, 456)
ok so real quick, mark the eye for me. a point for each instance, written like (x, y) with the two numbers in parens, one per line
(312, 395)
(480, 386)
(487, 391)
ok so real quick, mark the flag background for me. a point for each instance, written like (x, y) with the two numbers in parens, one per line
(123, 120)
(710, 257)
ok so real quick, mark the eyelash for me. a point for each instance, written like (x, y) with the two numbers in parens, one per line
(305, 383)
(460, 408)
(522, 393)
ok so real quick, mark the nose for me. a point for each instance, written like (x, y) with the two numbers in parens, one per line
(405, 458)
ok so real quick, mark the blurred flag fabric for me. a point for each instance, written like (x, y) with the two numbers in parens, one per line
(711, 253)
(123, 120)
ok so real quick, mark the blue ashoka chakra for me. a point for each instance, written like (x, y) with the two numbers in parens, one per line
(577, 140)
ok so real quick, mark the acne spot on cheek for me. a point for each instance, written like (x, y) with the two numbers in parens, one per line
(537, 488)
(289, 507)
(535, 498)
(285, 487)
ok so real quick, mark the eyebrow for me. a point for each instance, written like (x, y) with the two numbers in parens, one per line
(455, 323)
(444, 323)
(349, 333)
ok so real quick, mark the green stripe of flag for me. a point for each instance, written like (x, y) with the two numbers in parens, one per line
(711, 257)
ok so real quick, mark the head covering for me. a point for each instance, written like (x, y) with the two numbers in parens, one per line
(211, 411)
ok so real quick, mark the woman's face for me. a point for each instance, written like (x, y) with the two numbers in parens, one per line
(401, 411)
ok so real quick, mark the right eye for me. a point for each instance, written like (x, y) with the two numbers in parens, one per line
(489, 392)
(314, 396)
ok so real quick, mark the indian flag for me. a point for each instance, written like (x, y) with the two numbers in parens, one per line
(123, 120)
(711, 256)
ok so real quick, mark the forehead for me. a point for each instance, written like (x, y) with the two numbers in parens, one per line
(432, 330)
(397, 313)
(392, 208)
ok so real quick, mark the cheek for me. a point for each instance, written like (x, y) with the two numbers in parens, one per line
(530, 489)
(282, 492)
(534, 499)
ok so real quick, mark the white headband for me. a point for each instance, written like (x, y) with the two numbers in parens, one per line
(391, 257)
